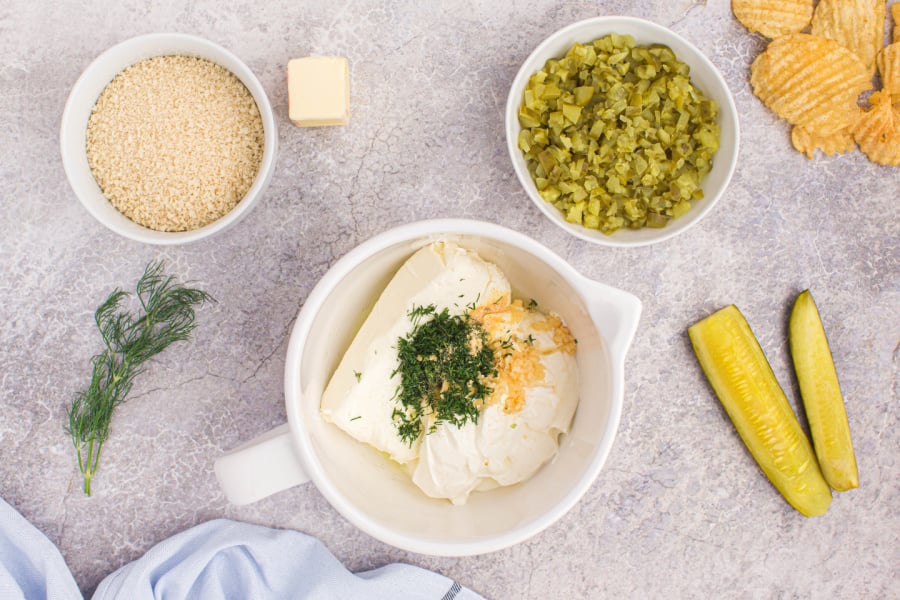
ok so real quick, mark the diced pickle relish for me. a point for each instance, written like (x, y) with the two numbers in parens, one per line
(615, 135)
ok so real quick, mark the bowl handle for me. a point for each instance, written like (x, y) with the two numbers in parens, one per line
(615, 312)
(261, 467)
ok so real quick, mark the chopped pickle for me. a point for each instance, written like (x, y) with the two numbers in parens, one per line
(617, 136)
(583, 94)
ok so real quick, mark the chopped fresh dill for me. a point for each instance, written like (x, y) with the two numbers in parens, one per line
(530, 340)
(356, 417)
(532, 303)
(444, 362)
(358, 375)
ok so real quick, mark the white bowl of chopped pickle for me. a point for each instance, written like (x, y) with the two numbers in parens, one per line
(168, 138)
(376, 493)
(621, 131)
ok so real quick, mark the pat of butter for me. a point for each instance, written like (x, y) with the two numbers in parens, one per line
(318, 91)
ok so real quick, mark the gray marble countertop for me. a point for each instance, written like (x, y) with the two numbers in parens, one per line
(680, 509)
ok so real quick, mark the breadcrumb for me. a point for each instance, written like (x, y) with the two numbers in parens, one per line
(175, 142)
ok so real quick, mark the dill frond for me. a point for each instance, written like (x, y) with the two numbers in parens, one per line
(165, 316)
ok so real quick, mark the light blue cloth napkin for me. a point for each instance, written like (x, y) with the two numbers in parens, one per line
(218, 559)
(30, 565)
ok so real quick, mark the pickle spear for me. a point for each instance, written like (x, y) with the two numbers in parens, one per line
(741, 376)
(821, 394)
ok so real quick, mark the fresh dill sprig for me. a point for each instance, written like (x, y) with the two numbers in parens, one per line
(444, 363)
(165, 315)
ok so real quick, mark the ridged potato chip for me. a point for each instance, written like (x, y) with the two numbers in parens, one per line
(878, 131)
(889, 67)
(854, 24)
(773, 18)
(808, 142)
(810, 81)
(895, 15)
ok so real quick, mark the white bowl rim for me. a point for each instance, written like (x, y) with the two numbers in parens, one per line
(615, 239)
(242, 71)
(303, 442)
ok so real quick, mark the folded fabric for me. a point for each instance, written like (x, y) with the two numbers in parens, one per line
(30, 565)
(217, 559)
(228, 559)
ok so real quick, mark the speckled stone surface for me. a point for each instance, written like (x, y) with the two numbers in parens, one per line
(679, 511)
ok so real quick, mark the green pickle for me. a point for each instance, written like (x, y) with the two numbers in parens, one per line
(741, 377)
(821, 393)
(616, 136)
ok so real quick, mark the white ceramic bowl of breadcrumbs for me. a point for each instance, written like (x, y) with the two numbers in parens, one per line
(168, 138)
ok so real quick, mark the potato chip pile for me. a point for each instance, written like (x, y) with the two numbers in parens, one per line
(813, 80)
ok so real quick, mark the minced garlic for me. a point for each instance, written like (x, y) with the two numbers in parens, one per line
(517, 359)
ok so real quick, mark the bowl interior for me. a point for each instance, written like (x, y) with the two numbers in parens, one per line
(83, 97)
(703, 74)
(376, 493)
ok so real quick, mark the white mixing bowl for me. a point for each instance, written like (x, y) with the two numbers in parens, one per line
(372, 491)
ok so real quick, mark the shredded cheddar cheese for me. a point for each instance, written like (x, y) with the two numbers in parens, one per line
(517, 359)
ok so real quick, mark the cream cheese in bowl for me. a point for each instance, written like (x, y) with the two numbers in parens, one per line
(530, 386)
(375, 492)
